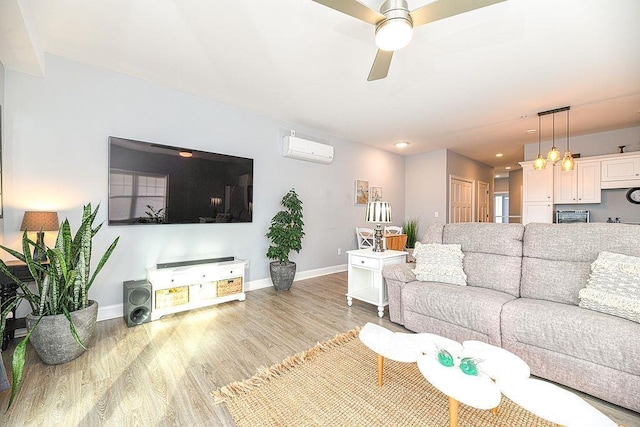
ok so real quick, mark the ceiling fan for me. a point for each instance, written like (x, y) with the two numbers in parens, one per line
(394, 23)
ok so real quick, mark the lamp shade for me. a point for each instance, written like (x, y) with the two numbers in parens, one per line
(378, 212)
(40, 221)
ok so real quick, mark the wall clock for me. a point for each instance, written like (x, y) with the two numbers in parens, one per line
(633, 195)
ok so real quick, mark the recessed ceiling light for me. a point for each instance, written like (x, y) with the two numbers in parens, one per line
(508, 168)
(499, 155)
(402, 144)
(530, 131)
(185, 153)
(497, 176)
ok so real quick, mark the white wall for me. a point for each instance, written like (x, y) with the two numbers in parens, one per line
(1, 140)
(426, 188)
(55, 158)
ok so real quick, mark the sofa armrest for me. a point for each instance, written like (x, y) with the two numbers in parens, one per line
(401, 273)
(396, 277)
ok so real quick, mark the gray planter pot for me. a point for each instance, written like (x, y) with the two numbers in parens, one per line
(52, 338)
(282, 275)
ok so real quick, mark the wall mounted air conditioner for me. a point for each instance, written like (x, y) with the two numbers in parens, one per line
(303, 149)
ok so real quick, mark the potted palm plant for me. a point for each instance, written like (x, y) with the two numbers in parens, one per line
(62, 319)
(286, 233)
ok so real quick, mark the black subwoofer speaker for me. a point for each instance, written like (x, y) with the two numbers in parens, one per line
(137, 302)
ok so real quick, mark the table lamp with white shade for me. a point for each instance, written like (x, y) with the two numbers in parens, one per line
(378, 212)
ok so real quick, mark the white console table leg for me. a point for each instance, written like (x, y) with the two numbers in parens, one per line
(381, 311)
(349, 301)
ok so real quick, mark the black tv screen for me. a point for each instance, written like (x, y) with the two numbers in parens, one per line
(160, 184)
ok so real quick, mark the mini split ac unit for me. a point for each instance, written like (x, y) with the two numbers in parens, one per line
(303, 149)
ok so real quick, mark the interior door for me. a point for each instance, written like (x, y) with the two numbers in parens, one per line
(483, 201)
(460, 200)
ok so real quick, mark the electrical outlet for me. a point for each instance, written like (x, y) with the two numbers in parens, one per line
(436, 214)
(339, 251)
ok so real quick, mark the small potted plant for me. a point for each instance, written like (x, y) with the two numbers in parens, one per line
(410, 227)
(62, 319)
(286, 233)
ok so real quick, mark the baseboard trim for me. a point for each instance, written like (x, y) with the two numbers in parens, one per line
(114, 311)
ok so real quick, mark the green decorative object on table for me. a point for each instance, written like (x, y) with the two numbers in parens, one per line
(469, 366)
(445, 358)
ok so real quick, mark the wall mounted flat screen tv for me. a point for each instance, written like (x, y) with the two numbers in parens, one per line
(160, 184)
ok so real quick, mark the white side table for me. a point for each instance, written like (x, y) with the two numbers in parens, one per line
(365, 276)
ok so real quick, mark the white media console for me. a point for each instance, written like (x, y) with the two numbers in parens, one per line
(186, 286)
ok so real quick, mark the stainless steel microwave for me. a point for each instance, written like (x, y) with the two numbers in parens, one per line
(572, 216)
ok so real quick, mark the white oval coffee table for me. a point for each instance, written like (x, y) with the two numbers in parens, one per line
(553, 403)
(477, 391)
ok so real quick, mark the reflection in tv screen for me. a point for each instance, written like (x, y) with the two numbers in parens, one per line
(160, 184)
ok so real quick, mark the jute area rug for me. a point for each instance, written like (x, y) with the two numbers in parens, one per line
(335, 384)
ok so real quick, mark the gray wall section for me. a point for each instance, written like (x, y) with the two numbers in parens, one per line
(56, 158)
(515, 196)
(595, 144)
(501, 185)
(614, 205)
(426, 188)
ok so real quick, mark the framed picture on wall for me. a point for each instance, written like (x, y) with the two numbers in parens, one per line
(375, 193)
(362, 192)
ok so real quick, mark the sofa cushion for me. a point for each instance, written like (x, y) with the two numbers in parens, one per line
(614, 286)
(456, 312)
(439, 263)
(572, 331)
(557, 257)
(493, 254)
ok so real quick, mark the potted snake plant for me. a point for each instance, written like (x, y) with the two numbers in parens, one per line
(410, 227)
(62, 318)
(286, 233)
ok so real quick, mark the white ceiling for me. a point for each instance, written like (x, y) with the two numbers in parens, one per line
(472, 83)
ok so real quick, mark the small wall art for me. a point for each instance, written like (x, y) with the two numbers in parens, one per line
(375, 194)
(362, 192)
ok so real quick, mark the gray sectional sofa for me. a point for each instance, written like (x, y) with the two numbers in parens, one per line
(522, 294)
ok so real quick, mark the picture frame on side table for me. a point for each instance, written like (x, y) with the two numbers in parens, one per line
(362, 192)
(375, 194)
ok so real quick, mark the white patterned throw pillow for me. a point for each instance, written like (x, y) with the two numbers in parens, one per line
(613, 286)
(439, 263)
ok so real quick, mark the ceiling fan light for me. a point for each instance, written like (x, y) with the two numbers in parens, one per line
(539, 163)
(394, 34)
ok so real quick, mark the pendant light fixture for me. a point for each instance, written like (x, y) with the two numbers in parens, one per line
(540, 162)
(568, 162)
(554, 154)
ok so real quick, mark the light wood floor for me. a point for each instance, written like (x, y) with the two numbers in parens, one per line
(162, 373)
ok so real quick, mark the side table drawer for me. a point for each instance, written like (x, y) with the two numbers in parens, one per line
(365, 262)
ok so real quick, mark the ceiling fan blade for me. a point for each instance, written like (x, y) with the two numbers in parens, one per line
(445, 8)
(354, 8)
(380, 67)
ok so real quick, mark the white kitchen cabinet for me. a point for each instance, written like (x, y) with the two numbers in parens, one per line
(537, 194)
(622, 171)
(537, 185)
(537, 212)
(581, 185)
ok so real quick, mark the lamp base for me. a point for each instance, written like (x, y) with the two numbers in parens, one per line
(40, 250)
(377, 239)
